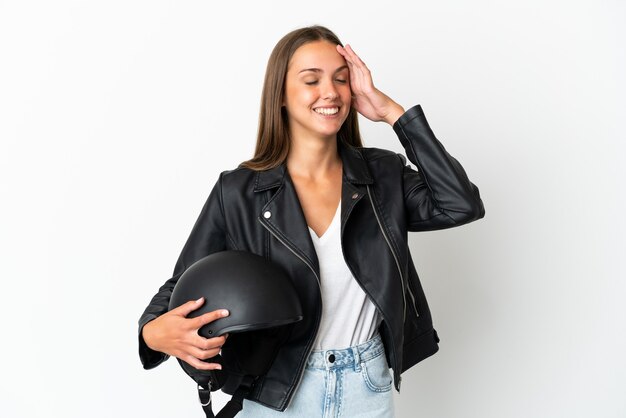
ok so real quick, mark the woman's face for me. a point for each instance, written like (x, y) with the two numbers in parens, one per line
(317, 91)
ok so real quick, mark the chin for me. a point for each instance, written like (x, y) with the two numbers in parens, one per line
(330, 132)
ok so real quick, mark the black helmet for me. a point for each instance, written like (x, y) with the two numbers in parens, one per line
(262, 303)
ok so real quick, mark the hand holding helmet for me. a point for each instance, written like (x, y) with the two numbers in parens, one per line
(174, 334)
(263, 306)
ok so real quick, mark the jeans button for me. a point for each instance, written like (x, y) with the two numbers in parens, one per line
(331, 358)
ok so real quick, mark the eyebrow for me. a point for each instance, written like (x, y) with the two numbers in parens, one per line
(318, 70)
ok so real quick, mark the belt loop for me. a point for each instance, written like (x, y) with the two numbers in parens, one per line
(357, 358)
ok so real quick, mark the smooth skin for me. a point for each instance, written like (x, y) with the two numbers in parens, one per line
(320, 74)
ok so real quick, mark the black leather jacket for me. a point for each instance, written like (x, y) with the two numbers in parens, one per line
(382, 198)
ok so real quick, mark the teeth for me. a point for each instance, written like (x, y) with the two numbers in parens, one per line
(327, 111)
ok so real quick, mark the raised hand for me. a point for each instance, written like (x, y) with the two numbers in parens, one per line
(366, 98)
(174, 334)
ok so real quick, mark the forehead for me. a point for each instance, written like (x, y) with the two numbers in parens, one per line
(318, 54)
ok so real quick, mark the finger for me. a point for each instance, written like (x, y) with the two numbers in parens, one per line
(186, 308)
(360, 67)
(208, 317)
(350, 55)
(209, 343)
(346, 56)
(201, 365)
(204, 348)
(205, 354)
(355, 57)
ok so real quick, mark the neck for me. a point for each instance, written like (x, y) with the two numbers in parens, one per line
(313, 157)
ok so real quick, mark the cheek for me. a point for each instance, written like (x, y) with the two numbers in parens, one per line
(346, 96)
(299, 96)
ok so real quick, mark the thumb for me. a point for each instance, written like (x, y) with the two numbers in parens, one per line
(186, 308)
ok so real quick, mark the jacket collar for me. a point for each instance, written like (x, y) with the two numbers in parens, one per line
(355, 170)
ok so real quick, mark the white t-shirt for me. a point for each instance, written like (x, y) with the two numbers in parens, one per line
(348, 315)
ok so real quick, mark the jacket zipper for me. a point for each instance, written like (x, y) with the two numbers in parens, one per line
(369, 194)
(396, 259)
(408, 287)
(395, 366)
(363, 287)
(310, 347)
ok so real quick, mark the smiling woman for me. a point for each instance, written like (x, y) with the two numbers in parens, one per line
(317, 94)
(334, 215)
(273, 144)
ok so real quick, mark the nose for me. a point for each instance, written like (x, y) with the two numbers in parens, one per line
(330, 91)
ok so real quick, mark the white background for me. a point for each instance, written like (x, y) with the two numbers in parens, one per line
(116, 118)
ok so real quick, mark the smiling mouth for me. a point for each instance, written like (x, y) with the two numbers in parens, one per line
(326, 111)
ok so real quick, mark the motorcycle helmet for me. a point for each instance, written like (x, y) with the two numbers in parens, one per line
(262, 303)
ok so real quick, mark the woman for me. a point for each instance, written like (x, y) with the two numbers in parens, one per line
(335, 216)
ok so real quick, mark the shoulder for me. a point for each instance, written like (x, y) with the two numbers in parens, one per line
(246, 181)
(237, 173)
(371, 153)
(377, 156)
(237, 178)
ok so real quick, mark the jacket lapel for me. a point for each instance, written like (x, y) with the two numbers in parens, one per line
(284, 216)
(283, 213)
(356, 176)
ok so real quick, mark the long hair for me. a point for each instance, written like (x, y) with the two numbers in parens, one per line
(273, 141)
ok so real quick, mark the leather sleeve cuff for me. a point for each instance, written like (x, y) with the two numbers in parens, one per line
(419, 349)
(412, 113)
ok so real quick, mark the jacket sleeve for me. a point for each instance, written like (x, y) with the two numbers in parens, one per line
(438, 195)
(207, 236)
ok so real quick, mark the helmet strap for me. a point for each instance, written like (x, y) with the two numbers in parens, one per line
(233, 406)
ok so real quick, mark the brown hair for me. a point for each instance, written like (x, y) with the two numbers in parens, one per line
(272, 145)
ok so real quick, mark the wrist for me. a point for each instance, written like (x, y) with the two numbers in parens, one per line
(394, 114)
(147, 335)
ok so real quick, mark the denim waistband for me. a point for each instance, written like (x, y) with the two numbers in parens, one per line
(346, 357)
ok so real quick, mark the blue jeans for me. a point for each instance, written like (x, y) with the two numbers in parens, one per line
(352, 382)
